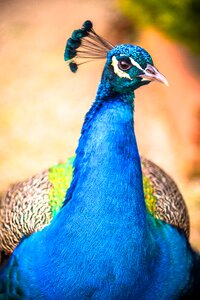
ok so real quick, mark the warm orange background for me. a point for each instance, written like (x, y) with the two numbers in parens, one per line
(42, 104)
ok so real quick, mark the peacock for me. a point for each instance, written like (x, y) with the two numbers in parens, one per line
(106, 224)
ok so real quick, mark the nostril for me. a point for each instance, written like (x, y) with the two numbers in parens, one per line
(150, 71)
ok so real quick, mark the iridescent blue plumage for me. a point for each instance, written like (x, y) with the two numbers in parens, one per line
(103, 244)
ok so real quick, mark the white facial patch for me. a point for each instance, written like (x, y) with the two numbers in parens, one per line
(134, 63)
(117, 71)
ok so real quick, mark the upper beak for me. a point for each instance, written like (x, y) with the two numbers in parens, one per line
(152, 74)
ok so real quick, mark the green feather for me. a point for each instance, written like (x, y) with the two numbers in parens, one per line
(150, 199)
(60, 177)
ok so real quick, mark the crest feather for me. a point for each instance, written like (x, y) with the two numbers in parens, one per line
(85, 45)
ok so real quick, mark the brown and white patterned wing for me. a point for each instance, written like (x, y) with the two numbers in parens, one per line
(170, 205)
(24, 209)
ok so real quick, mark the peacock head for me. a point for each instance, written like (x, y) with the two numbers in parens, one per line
(127, 67)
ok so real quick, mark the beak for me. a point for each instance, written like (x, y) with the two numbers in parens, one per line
(152, 74)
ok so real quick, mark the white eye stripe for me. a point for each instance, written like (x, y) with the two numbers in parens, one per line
(117, 71)
(134, 63)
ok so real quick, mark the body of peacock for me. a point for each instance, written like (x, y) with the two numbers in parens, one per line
(30, 205)
(105, 242)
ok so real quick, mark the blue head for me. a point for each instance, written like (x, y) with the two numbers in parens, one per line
(130, 67)
(127, 67)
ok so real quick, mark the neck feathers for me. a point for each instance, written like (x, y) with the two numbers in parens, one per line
(107, 166)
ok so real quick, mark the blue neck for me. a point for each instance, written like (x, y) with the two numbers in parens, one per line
(107, 167)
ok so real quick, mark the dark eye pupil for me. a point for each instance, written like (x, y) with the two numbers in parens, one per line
(124, 64)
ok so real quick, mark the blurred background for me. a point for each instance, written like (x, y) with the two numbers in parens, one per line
(42, 104)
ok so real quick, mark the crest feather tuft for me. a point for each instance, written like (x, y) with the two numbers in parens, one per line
(85, 45)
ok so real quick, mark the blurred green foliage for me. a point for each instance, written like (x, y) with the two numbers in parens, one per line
(180, 19)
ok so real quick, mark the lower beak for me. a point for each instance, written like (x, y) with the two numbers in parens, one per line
(152, 74)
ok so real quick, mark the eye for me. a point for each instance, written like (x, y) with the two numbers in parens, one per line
(124, 64)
